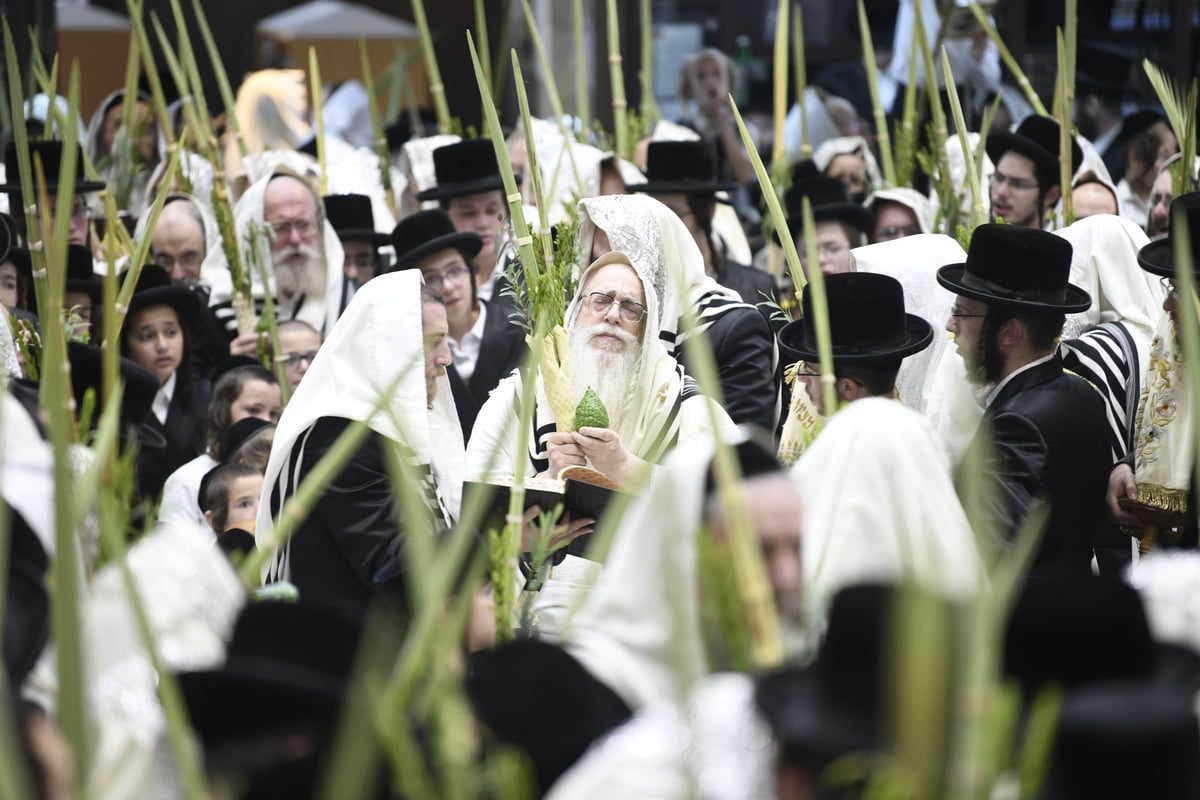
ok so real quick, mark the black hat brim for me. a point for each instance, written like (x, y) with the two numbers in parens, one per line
(465, 242)
(446, 191)
(226, 703)
(802, 716)
(52, 188)
(178, 297)
(1157, 258)
(363, 235)
(1073, 301)
(794, 344)
(854, 214)
(680, 187)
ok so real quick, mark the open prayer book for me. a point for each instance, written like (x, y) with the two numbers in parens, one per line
(581, 491)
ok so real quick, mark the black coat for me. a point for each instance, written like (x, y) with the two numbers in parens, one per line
(1050, 443)
(500, 352)
(754, 285)
(743, 347)
(185, 430)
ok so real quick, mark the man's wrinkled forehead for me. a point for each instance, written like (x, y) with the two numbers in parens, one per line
(614, 277)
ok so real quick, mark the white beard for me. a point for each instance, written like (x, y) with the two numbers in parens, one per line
(293, 280)
(611, 373)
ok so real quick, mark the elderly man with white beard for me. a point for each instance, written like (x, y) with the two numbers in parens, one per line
(281, 225)
(652, 404)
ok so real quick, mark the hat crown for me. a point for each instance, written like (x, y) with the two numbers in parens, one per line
(152, 276)
(465, 161)
(418, 229)
(349, 212)
(80, 266)
(50, 153)
(866, 310)
(821, 190)
(681, 161)
(1025, 262)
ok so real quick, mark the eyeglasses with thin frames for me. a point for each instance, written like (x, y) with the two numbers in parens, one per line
(1016, 184)
(630, 311)
(436, 280)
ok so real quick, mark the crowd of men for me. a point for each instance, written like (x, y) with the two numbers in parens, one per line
(916, 416)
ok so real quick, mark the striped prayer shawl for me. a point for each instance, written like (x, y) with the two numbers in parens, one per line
(1106, 357)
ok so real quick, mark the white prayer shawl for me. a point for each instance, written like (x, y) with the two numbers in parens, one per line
(911, 199)
(639, 630)
(272, 112)
(959, 179)
(982, 74)
(347, 115)
(558, 159)
(27, 471)
(880, 506)
(821, 125)
(913, 261)
(660, 246)
(417, 163)
(214, 270)
(377, 342)
(320, 310)
(849, 146)
(199, 173)
(139, 193)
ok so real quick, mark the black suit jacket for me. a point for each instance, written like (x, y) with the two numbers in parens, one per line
(1051, 444)
(743, 347)
(754, 285)
(500, 352)
(185, 431)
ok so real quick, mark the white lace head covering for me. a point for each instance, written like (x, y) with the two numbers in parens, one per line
(664, 252)
(377, 341)
(913, 261)
(880, 506)
(318, 311)
(911, 199)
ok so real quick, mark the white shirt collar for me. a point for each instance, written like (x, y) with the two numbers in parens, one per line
(162, 400)
(994, 391)
(465, 352)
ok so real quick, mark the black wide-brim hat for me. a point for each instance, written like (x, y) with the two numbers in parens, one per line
(464, 168)
(830, 202)
(287, 663)
(1158, 257)
(50, 153)
(154, 287)
(1011, 265)
(81, 275)
(1136, 123)
(867, 322)
(1036, 138)
(1104, 69)
(352, 219)
(427, 232)
(687, 167)
(141, 387)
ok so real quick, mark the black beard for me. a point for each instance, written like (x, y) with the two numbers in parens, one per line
(991, 360)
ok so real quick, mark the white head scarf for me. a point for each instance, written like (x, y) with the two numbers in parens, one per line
(880, 505)
(663, 250)
(849, 146)
(911, 199)
(913, 261)
(347, 114)
(319, 312)
(378, 341)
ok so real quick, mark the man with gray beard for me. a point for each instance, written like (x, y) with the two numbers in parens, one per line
(281, 226)
(651, 403)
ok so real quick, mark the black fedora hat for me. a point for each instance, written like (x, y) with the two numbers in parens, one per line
(1158, 257)
(427, 232)
(1122, 740)
(867, 322)
(287, 663)
(830, 202)
(1138, 122)
(689, 167)
(1036, 138)
(141, 387)
(838, 704)
(1017, 266)
(1103, 69)
(463, 168)
(154, 287)
(81, 275)
(352, 219)
(50, 153)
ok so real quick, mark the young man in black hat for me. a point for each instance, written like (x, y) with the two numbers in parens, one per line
(841, 224)
(352, 220)
(50, 154)
(871, 335)
(1144, 144)
(1102, 81)
(484, 344)
(1027, 181)
(1044, 437)
(471, 191)
(683, 177)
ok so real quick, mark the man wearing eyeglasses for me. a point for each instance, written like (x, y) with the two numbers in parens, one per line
(484, 345)
(1027, 182)
(49, 154)
(354, 222)
(298, 346)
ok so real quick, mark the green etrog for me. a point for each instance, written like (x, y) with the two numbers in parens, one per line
(591, 413)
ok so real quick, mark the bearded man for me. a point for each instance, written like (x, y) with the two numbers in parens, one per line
(282, 226)
(651, 403)
(1048, 440)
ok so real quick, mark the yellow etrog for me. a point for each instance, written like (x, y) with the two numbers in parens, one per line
(591, 413)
